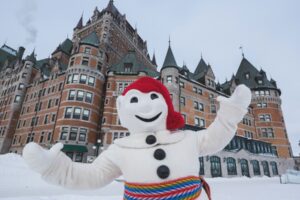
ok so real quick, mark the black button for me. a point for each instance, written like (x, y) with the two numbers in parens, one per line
(159, 154)
(150, 139)
(163, 171)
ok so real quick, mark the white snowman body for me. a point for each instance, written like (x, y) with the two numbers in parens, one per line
(152, 153)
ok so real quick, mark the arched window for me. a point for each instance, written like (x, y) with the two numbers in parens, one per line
(244, 167)
(256, 169)
(215, 166)
(231, 166)
(266, 168)
(201, 160)
(274, 168)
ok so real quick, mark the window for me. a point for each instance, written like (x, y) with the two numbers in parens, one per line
(87, 50)
(127, 67)
(199, 91)
(53, 117)
(68, 112)
(260, 82)
(215, 166)
(247, 75)
(85, 114)
(244, 167)
(88, 97)
(82, 135)
(46, 119)
(91, 81)
(73, 133)
(182, 100)
(181, 84)
(49, 103)
(78, 157)
(42, 137)
(169, 79)
(85, 61)
(274, 150)
(213, 109)
(69, 79)
(197, 121)
(266, 168)
(201, 171)
(248, 134)
(256, 169)
(75, 78)
(77, 113)
(80, 95)
(24, 75)
(274, 168)
(21, 86)
(72, 61)
(267, 132)
(17, 98)
(195, 89)
(265, 117)
(71, 95)
(231, 166)
(64, 133)
(83, 78)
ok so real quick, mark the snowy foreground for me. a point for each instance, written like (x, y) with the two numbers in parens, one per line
(18, 182)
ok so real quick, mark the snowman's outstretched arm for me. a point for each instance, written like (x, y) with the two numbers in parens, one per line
(57, 168)
(223, 128)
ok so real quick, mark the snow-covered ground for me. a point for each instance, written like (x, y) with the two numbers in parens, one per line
(18, 182)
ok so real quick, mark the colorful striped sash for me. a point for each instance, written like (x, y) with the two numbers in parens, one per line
(188, 188)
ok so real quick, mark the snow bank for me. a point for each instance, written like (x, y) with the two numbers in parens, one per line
(18, 182)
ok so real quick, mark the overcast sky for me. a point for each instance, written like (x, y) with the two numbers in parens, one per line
(268, 30)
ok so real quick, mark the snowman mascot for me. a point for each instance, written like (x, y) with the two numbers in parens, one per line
(158, 161)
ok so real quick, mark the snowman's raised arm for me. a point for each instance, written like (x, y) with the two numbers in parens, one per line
(57, 168)
(223, 128)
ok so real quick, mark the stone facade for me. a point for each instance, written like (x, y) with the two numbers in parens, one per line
(71, 98)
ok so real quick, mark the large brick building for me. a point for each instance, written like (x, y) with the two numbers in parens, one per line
(71, 98)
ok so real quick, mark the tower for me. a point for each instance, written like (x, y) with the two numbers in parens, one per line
(77, 122)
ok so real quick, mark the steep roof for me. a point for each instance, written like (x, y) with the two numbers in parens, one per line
(6, 52)
(31, 57)
(247, 74)
(111, 8)
(153, 61)
(80, 23)
(201, 67)
(130, 59)
(91, 39)
(169, 59)
(65, 47)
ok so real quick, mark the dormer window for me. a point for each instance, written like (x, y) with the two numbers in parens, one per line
(87, 50)
(128, 67)
(260, 82)
(185, 73)
(247, 76)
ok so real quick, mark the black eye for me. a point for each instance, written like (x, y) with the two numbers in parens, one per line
(153, 96)
(134, 100)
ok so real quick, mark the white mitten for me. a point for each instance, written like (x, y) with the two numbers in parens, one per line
(38, 158)
(241, 97)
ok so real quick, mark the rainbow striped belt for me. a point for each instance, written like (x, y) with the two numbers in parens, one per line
(187, 188)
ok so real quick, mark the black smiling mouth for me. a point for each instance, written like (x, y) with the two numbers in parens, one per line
(150, 119)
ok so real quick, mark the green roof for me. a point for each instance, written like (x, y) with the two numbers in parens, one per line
(91, 39)
(76, 148)
(169, 59)
(65, 47)
(130, 59)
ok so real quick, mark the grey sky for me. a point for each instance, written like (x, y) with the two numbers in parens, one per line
(269, 31)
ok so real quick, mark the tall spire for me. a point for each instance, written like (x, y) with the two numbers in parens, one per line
(80, 23)
(154, 59)
(169, 59)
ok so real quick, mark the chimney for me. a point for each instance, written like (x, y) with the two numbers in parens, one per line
(20, 53)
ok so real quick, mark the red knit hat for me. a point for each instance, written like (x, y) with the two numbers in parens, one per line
(148, 84)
